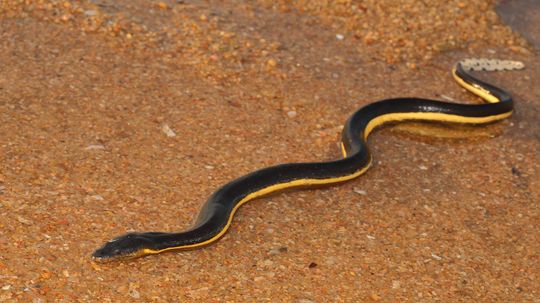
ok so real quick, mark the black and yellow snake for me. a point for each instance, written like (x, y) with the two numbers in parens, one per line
(217, 214)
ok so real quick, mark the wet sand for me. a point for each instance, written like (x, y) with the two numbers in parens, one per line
(126, 115)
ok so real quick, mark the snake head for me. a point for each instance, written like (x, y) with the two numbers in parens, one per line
(128, 246)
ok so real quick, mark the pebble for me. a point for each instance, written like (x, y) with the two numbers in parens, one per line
(162, 5)
(291, 114)
(447, 98)
(375, 297)
(90, 12)
(271, 63)
(276, 251)
(434, 256)
(340, 37)
(360, 191)
(168, 131)
(95, 146)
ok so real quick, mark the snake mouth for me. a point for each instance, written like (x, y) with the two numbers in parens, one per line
(105, 254)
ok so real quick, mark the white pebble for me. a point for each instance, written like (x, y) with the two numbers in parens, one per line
(90, 12)
(340, 37)
(168, 131)
(434, 256)
(95, 146)
(291, 114)
(447, 98)
(360, 191)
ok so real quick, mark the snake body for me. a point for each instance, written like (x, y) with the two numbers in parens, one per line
(217, 213)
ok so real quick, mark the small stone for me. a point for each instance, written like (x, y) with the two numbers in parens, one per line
(447, 98)
(434, 256)
(273, 251)
(340, 37)
(291, 114)
(360, 191)
(375, 297)
(412, 65)
(422, 167)
(95, 146)
(168, 131)
(271, 63)
(66, 17)
(90, 12)
(97, 197)
(162, 5)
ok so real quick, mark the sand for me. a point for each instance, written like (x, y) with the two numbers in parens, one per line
(126, 115)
